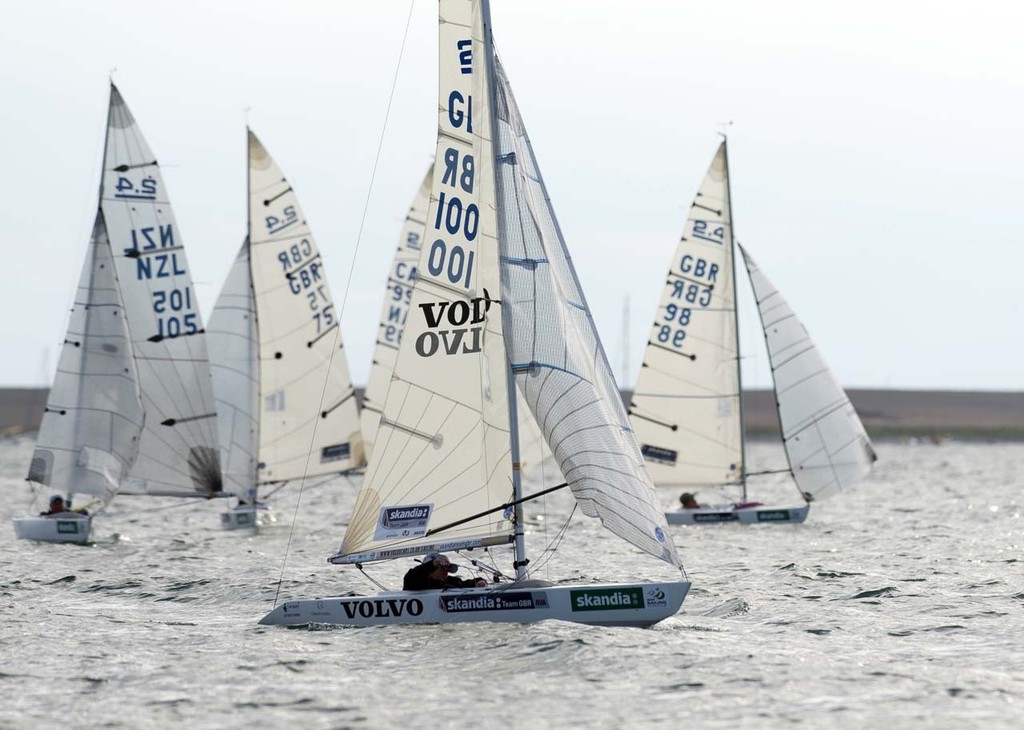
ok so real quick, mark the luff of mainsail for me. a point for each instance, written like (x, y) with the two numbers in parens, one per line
(397, 296)
(178, 453)
(559, 363)
(825, 441)
(686, 408)
(89, 435)
(234, 365)
(308, 416)
(442, 452)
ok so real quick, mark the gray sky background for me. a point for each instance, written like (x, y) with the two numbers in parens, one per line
(876, 152)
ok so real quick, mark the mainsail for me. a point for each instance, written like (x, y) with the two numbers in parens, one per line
(177, 454)
(398, 295)
(825, 441)
(234, 364)
(686, 404)
(279, 369)
(89, 436)
(443, 446)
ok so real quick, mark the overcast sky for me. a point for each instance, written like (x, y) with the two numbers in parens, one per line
(876, 152)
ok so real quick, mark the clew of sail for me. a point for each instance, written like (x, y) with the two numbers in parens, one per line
(232, 340)
(825, 441)
(442, 452)
(89, 436)
(559, 363)
(397, 296)
(178, 453)
(309, 420)
(686, 407)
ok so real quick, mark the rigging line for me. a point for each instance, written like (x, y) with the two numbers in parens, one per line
(492, 510)
(344, 297)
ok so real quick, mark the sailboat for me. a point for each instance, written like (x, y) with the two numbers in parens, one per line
(286, 404)
(131, 408)
(686, 408)
(496, 307)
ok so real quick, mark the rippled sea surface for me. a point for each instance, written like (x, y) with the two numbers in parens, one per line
(900, 602)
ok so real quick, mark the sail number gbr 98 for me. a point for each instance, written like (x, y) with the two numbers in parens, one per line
(691, 287)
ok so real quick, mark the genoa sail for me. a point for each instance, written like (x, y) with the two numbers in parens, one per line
(442, 452)
(89, 436)
(686, 403)
(308, 416)
(234, 351)
(559, 363)
(178, 451)
(825, 441)
(398, 295)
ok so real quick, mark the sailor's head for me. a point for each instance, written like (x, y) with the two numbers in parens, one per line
(441, 563)
(56, 501)
(688, 499)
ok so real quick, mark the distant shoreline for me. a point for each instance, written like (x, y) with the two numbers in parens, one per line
(932, 414)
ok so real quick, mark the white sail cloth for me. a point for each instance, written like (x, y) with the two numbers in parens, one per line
(443, 448)
(555, 352)
(178, 452)
(308, 416)
(686, 404)
(234, 351)
(825, 441)
(397, 297)
(89, 435)
(443, 444)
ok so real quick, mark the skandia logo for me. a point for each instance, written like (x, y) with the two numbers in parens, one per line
(606, 599)
(394, 514)
(402, 520)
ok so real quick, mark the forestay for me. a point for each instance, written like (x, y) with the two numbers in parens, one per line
(90, 431)
(178, 454)
(234, 351)
(397, 296)
(825, 441)
(559, 363)
(309, 422)
(442, 452)
(685, 407)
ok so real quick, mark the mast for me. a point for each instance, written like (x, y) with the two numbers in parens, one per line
(257, 406)
(736, 319)
(520, 560)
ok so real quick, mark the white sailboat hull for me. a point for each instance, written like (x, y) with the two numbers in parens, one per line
(67, 527)
(764, 515)
(244, 517)
(604, 604)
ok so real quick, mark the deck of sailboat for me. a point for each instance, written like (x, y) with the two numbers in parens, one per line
(602, 604)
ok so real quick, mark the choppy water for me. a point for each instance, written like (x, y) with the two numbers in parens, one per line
(900, 602)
